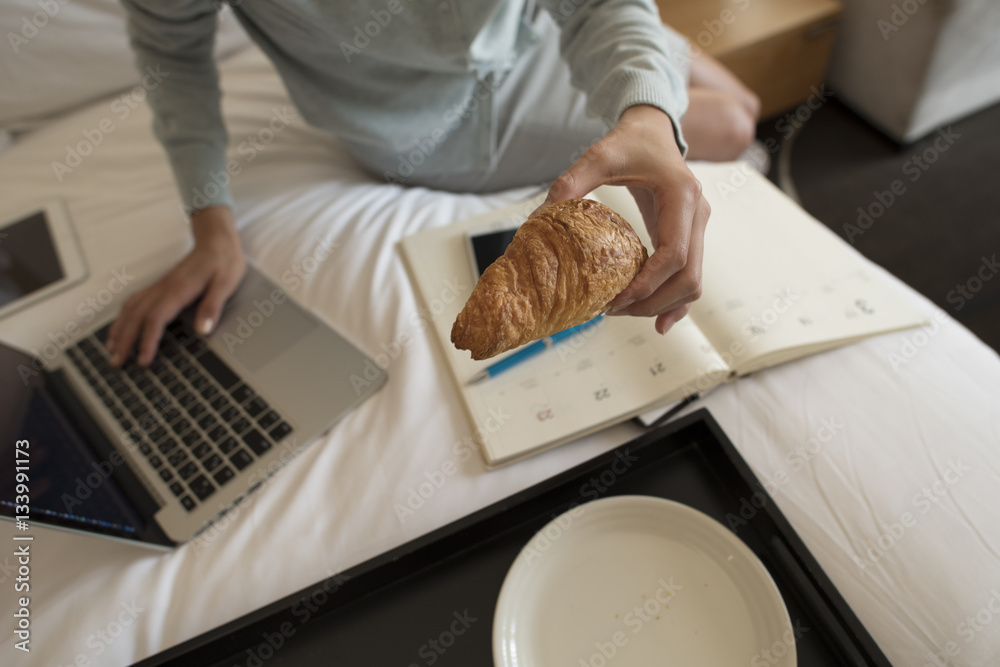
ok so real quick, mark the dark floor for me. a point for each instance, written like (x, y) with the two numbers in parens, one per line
(939, 231)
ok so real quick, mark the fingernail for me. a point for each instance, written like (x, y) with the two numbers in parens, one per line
(205, 327)
(621, 306)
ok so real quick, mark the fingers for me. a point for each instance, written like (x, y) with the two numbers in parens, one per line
(599, 165)
(678, 221)
(145, 315)
(126, 327)
(679, 288)
(160, 311)
(666, 320)
(221, 288)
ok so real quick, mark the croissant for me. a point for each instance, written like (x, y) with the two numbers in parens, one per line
(566, 263)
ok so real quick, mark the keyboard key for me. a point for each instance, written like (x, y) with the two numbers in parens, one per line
(241, 425)
(212, 462)
(223, 476)
(269, 419)
(166, 475)
(209, 392)
(231, 414)
(221, 403)
(157, 434)
(145, 448)
(178, 458)
(126, 423)
(190, 372)
(218, 369)
(280, 431)
(197, 410)
(199, 382)
(116, 412)
(102, 333)
(155, 461)
(218, 433)
(167, 446)
(188, 503)
(242, 393)
(202, 450)
(143, 383)
(180, 426)
(241, 459)
(187, 470)
(228, 445)
(178, 389)
(176, 488)
(139, 410)
(168, 411)
(195, 346)
(256, 441)
(191, 438)
(186, 399)
(207, 422)
(128, 399)
(201, 487)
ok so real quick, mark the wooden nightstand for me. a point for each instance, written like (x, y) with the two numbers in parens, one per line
(779, 48)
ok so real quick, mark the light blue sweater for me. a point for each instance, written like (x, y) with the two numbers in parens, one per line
(386, 74)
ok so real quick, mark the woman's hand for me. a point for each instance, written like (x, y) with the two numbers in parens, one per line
(213, 270)
(641, 152)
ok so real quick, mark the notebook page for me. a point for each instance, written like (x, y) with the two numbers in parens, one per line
(777, 283)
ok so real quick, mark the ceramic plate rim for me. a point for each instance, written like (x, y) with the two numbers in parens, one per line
(505, 605)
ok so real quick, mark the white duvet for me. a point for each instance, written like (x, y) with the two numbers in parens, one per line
(884, 455)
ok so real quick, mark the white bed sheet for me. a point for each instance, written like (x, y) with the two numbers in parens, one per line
(894, 431)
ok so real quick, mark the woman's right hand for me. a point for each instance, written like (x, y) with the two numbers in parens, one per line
(212, 270)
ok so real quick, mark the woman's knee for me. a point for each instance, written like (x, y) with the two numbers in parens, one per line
(718, 126)
(741, 128)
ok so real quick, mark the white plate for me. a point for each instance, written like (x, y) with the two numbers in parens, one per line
(637, 580)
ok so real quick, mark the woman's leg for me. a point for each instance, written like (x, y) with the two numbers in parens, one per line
(722, 115)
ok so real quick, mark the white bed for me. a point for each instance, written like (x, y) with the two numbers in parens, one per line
(899, 429)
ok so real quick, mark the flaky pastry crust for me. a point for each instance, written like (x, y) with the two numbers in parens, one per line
(567, 262)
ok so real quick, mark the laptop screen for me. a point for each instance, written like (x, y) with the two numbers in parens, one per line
(67, 483)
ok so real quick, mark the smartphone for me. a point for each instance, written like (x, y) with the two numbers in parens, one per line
(486, 245)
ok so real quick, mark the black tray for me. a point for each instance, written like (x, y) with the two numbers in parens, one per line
(387, 610)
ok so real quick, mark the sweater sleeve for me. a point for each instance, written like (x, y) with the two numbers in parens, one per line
(621, 55)
(173, 41)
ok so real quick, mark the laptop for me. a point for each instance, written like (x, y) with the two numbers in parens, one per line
(156, 454)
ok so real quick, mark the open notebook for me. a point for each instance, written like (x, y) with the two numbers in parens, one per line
(778, 286)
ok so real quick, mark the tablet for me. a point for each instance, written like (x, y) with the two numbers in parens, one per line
(39, 255)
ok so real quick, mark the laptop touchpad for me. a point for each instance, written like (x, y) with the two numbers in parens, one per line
(259, 323)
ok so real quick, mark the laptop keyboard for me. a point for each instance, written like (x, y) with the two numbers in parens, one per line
(194, 419)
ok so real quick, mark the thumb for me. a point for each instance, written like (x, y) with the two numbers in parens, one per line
(583, 176)
(219, 289)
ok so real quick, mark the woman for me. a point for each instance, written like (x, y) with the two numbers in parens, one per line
(473, 96)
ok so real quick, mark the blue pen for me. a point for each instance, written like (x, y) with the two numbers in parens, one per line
(531, 350)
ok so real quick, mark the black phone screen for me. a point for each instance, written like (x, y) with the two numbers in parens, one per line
(487, 247)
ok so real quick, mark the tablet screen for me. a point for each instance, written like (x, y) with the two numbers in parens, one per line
(29, 260)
